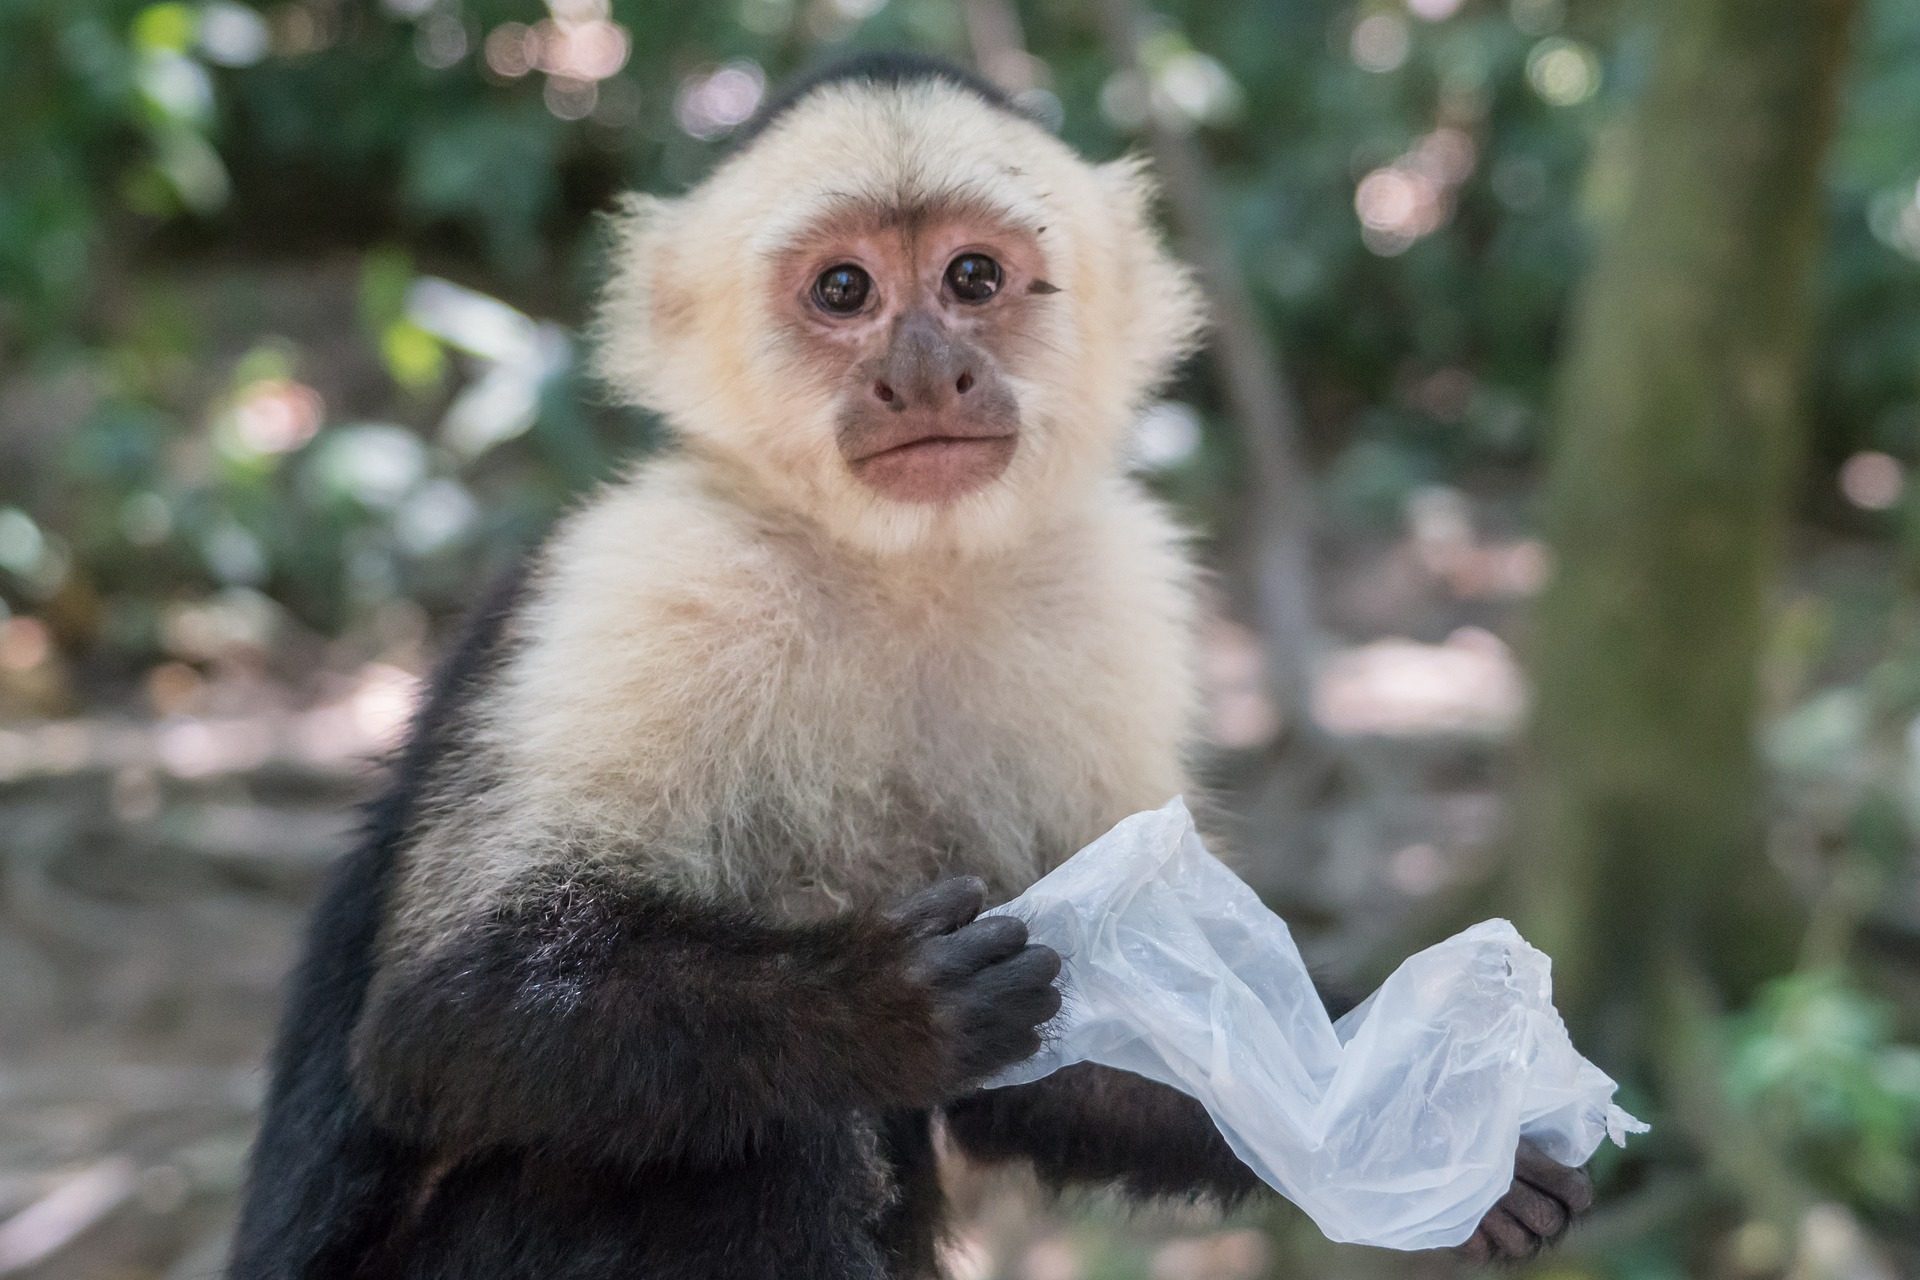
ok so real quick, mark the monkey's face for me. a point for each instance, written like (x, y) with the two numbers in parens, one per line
(914, 318)
(922, 317)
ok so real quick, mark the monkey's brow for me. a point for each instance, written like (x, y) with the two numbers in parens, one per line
(859, 213)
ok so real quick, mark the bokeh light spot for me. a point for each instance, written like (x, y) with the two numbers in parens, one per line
(233, 35)
(441, 41)
(1872, 481)
(1166, 435)
(24, 644)
(712, 105)
(275, 415)
(1564, 73)
(570, 99)
(509, 49)
(1380, 43)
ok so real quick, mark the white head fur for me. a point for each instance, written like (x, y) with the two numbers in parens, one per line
(690, 327)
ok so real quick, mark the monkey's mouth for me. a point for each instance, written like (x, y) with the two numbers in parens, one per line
(936, 467)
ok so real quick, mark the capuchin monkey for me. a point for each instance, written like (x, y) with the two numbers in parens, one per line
(659, 957)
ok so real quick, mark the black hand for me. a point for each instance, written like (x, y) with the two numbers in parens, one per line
(991, 988)
(1545, 1198)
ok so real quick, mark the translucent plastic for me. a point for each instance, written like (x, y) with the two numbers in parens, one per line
(1395, 1126)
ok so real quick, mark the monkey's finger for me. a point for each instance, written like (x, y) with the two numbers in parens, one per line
(1020, 990)
(1012, 997)
(1571, 1187)
(1477, 1249)
(1021, 986)
(941, 909)
(1002, 1009)
(970, 948)
(1510, 1239)
(1537, 1211)
(1036, 966)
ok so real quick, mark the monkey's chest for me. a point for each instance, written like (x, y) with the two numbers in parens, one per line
(870, 840)
(904, 799)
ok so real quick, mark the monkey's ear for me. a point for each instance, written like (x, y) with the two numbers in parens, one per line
(1163, 312)
(645, 309)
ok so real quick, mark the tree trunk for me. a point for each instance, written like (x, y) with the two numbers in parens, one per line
(1679, 421)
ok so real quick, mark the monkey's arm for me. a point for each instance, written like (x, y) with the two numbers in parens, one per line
(1090, 1123)
(606, 1021)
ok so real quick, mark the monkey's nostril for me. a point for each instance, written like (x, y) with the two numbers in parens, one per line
(883, 393)
(965, 384)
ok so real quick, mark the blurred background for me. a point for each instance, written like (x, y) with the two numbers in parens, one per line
(1554, 453)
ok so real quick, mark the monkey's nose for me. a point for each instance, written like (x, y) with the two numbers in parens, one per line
(930, 394)
(925, 368)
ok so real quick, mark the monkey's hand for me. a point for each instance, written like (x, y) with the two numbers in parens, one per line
(991, 990)
(1545, 1198)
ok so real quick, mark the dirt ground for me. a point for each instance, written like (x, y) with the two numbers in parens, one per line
(145, 923)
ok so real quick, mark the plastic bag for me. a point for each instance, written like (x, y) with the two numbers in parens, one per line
(1395, 1126)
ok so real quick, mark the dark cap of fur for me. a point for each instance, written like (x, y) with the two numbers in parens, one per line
(873, 68)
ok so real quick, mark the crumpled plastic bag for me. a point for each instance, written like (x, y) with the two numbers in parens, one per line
(1395, 1126)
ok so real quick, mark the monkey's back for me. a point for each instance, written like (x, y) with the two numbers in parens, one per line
(325, 1183)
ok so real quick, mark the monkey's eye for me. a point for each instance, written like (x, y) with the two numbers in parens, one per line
(973, 277)
(842, 290)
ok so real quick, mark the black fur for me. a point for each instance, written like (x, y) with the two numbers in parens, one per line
(325, 1182)
(791, 1211)
(891, 68)
(683, 1031)
(1091, 1123)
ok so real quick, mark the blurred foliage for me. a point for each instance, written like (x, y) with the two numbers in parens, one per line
(291, 295)
(190, 187)
(1816, 1061)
